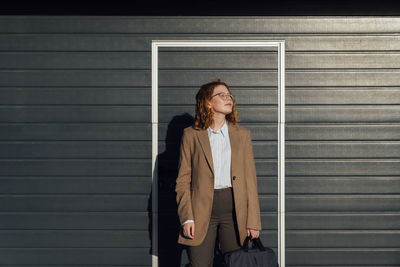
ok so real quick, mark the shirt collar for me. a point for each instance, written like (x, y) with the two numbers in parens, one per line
(223, 129)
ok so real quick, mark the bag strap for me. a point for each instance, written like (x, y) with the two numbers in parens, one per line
(246, 243)
(256, 243)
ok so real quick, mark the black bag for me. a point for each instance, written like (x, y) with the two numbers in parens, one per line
(258, 255)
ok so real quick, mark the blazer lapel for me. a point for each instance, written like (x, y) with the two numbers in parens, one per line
(234, 140)
(205, 145)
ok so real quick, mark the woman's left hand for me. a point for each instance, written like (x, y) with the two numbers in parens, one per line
(253, 233)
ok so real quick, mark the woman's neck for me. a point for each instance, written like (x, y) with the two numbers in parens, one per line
(218, 122)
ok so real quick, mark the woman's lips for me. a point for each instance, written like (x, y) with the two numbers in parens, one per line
(228, 104)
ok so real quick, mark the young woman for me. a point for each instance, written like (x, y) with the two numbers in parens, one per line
(216, 187)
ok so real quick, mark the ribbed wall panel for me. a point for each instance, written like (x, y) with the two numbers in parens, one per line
(75, 134)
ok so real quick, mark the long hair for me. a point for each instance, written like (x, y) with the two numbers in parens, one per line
(204, 115)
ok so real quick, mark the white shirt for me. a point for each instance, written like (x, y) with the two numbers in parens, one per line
(221, 155)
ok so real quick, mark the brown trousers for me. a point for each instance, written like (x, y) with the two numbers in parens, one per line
(223, 221)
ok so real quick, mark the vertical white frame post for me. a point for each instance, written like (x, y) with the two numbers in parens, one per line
(154, 153)
(280, 44)
(281, 154)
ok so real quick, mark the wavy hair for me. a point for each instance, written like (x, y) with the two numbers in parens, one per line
(204, 115)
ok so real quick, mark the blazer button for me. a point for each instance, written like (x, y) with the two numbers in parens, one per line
(234, 177)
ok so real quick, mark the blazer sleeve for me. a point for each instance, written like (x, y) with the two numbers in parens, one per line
(253, 206)
(183, 181)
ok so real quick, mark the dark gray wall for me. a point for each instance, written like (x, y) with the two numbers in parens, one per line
(75, 147)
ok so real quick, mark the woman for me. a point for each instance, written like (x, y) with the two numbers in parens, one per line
(216, 185)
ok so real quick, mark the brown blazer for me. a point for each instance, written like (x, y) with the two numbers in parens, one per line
(195, 182)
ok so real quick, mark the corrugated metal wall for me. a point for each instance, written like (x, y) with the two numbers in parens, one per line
(75, 168)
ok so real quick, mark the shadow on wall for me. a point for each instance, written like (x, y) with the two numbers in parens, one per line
(170, 253)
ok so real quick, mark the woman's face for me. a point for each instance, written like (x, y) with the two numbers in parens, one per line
(218, 104)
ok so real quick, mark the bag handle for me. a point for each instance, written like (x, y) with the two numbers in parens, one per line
(256, 243)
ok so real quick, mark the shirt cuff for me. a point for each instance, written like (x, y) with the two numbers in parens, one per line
(187, 221)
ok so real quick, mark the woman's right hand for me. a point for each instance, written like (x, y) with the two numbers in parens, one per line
(188, 230)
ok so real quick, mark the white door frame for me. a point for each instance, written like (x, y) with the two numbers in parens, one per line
(280, 44)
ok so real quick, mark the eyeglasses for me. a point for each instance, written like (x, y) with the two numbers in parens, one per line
(224, 96)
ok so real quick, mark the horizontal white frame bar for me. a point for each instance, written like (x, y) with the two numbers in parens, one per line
(215, 43)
